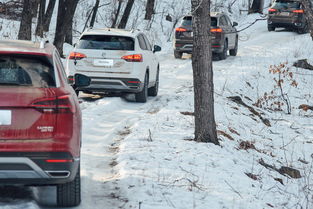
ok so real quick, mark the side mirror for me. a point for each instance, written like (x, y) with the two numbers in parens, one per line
(235, 24)
(156, 48)
(81, 80)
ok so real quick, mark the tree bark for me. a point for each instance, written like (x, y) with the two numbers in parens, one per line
(117, 14)
(69, 34)
(205, 126)
(25, 31)
(256, 7)
(309, 15)
(149, 9)
(48, 15)
(39, 28)
(94, 13)
(66, 12)
(126, 14)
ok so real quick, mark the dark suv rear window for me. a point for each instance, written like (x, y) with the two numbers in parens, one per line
(187, 21)
(286, 5)
(26, 71)
(100, 42)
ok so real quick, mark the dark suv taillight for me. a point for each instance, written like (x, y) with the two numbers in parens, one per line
(61, 104)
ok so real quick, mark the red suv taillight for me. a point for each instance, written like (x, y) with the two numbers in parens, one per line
(133, 58)
(61, 104)
(76, 56)
(271, 10)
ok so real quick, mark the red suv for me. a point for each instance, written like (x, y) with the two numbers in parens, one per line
(40, 120)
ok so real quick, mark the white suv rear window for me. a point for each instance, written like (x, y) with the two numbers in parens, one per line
(105, 42)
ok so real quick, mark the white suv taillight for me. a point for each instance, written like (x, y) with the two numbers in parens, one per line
(76, 56)
(133, 58)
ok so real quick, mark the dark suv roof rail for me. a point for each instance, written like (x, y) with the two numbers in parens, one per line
(43, 43)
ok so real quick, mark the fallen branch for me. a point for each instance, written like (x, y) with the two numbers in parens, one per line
(303, 64)
(238, 100)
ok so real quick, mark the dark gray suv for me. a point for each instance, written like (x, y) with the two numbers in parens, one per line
(287, 14)
(223, 32)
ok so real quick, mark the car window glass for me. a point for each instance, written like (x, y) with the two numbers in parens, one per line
(187, 21)
(223, 21)
(142, 42)
(149, 47)
(35, 71)
(229, 22)
(105, 42)
(285, 5)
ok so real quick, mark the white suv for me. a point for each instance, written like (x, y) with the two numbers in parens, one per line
(116, 61)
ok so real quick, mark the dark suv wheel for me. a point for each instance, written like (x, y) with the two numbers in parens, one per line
(153, 91)
(233, 52)
(143, 95)
(223, 54)
(178, 55)
(68, 194)
(270, 28)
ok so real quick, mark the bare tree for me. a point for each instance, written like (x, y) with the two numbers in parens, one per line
(66, 12)
(48, 15)
(39, 28)
(126, 14)
(25, 31)
(205, 126)
(117, 13)
(256, 7)
(309, 15)
(94, 13)
(149, 9)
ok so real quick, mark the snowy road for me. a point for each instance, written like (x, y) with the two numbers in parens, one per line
(108, 120)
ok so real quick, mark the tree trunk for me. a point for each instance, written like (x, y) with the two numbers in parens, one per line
(117, 14)
(256, 7)
(34, 7)
(205, 126)
(126, 14)
(25, 31)
(66, 12)
(94, 13)
(69, 34)
(149, 9)
(48, 15)
(39, 28)
(309, 15)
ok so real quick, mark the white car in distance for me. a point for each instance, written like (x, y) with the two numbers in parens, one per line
(116, 60)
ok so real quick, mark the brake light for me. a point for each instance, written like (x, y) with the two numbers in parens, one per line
(59, 161)
(76, 56)
(272, 10)
(181, 29)
(133, 58)
(216, 30)
(298, 11)
(61, 104)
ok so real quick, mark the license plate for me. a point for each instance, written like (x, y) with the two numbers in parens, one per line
(103, 62)
(284, 13)
(5, 117)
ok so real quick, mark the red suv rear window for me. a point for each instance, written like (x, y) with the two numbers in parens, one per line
(26, 70)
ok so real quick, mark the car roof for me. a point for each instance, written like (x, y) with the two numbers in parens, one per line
(26, 47)
(112, 31)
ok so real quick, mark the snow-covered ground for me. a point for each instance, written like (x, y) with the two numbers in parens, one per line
(141, 156)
